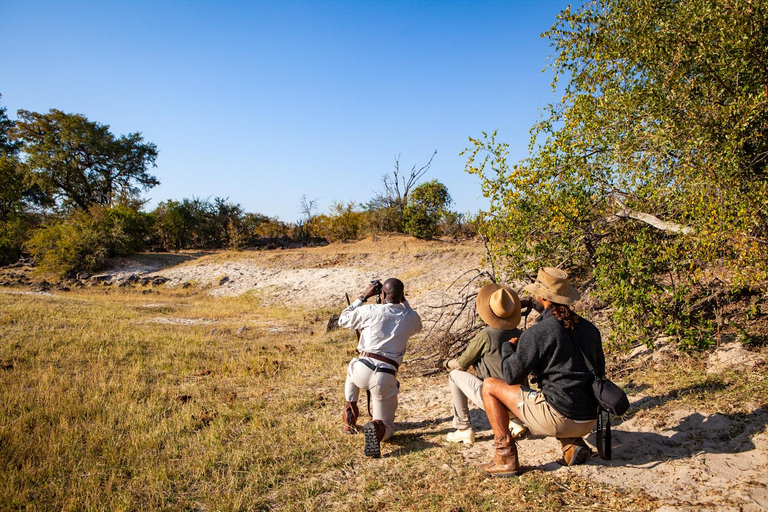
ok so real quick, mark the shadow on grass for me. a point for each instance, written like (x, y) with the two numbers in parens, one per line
(410, 443)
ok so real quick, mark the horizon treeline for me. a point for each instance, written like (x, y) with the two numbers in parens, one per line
(70, 197)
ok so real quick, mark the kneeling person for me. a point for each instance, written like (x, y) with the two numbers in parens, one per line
(499, 307)
(384, 332)
(554, 348)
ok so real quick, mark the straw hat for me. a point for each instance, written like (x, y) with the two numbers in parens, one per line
(499, 306)
(553, 285)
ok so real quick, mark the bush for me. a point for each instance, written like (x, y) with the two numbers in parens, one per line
(344, 222)
(13, 234)
(85, 239)
(426, 207)
(204, 224)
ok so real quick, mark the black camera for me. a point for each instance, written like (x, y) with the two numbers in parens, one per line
(376, 286)
(526, 305)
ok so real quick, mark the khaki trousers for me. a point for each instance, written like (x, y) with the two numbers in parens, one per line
(464, 387)
(383, 388)
(544, 420)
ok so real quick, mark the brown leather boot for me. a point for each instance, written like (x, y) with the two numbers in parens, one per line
(505, 461)
(349, 417)
(374, 433)
(575, 451)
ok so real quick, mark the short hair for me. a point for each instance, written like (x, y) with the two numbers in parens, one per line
(394, 288)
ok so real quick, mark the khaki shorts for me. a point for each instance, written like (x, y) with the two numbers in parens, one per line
(543, 420)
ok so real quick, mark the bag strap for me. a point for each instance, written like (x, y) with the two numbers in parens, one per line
(590, 366)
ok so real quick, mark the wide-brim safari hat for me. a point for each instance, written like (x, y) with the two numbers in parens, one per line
(499, 306)
(552, 284)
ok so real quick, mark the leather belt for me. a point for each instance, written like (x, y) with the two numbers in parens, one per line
(375, 368)
(380, 358)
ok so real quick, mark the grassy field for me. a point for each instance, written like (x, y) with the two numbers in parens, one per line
(102, 407)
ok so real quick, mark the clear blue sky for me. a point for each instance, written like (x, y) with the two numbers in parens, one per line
(263, 102)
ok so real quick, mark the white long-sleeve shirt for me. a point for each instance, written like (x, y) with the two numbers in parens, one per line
(384, 328)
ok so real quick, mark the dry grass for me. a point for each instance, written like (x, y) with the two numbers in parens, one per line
(102, 408)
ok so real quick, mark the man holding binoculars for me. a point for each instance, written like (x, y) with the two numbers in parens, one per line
(384, 332)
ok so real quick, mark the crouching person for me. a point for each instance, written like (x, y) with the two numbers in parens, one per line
(565, 407)
(499, 307)
(384, 332)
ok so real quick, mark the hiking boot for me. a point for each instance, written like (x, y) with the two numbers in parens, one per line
(575, 451)
(505, 461)
(349, 417)
(466, 436)
(517, 428)
(374, 433)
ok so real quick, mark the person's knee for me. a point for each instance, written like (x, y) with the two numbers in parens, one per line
(453, 375)
(490, 386)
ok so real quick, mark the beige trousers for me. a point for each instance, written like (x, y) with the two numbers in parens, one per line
(544, 420)
(383, 388)
(464, 387)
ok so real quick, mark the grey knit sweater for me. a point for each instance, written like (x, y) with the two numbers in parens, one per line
(548, 350)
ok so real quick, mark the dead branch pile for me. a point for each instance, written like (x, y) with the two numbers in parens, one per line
(453, 324)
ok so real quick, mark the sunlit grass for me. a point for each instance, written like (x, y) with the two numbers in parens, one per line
(103, 408)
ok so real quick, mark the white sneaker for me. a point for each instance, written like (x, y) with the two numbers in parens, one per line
(466, 436)
(517, 429)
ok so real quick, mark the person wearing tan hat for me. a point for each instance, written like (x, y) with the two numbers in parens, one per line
(565, 406)
(499, 307)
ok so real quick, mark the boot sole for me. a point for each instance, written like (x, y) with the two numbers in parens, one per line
(372, 445)
(582, 455)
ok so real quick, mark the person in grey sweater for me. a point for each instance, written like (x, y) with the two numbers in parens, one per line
(565, 406)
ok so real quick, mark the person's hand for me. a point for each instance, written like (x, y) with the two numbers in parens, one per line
(514, 341)
(370, 291)
(451, 364)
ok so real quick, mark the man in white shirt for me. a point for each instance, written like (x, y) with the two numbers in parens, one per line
(384, 332)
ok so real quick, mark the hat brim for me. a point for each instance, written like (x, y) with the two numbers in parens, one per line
(483, 305)
(572, 297)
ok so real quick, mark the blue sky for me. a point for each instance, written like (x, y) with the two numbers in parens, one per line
(264, 102)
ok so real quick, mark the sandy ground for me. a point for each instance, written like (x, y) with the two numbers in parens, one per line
(687, 459)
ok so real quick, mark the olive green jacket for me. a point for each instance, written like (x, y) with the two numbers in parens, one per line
(484, 352)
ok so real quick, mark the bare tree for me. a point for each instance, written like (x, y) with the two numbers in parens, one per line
(397, 187)
(308, 209)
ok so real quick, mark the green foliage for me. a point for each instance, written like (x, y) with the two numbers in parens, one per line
(384, 216)
(199, 224)
(204, 224)
(85, 239)
(652, 166)
(13, 234)
(7, 146)
(344, 222)
(426, 207)
(78, 162)
(18, 214)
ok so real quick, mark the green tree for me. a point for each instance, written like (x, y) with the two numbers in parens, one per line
(80, 162)
(426, 208)
(651, 167)
(17, 195)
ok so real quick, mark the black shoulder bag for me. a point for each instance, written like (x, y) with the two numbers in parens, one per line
(611, 399)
